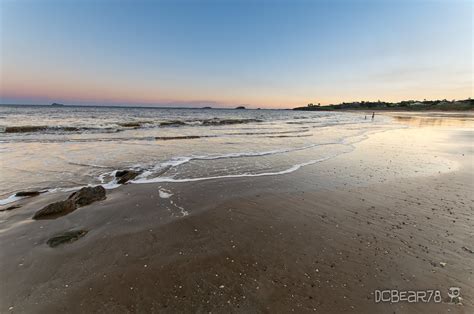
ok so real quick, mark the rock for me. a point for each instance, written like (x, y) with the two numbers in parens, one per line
(27, 193)
(66, 237)
(10, 208)
(55, 210)
(121, 173)
(83, 197)
(468, 250)
(126, 175)
(88, 195)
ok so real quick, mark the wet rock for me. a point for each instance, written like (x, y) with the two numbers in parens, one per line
(27, 193)
(83, 197)
(55, 210)
(468, 250)
(66, 237)
(10, 208)
(88, 195)
(126, 175)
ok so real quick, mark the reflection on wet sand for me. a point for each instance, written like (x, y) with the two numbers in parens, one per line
(436, 120)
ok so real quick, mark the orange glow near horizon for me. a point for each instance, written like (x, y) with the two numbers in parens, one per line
(90, 93)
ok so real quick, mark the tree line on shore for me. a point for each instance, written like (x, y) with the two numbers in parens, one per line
(466, 104)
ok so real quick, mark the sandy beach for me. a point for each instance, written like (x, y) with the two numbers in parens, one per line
(394, 213)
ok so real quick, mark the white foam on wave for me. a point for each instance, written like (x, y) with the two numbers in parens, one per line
(177, 161)
(12, 198)
(242, 175)
(88, 165)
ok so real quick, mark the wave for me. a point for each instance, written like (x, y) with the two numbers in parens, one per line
(173, 123)
(112, 139)
(126, 125)
(207, 122)
(12, 198)
(134, 124)
(229, 121)
(242, 175)
(281, 136)
(88, 165)
(39, 128)
(265, 133)
(54, 129)
(148, 138)
(161, 168)
(155, 174)
(183, 137)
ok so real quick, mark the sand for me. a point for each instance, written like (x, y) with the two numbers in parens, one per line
(396, 213)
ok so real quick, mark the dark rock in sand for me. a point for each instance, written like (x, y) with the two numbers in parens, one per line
(27, 193)
(83, 197)
(10, 208)
(88, 195)
(126, 175)
(66, 237)
(55, 210)
(468, 250)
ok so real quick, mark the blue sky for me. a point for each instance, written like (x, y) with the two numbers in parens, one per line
(261, 53)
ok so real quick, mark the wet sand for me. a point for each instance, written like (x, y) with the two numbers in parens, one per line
(386, 216)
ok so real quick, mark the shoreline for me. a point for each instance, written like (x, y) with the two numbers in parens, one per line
(402, 118)
(320, 239)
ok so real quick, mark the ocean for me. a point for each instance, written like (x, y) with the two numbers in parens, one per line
(50, 148)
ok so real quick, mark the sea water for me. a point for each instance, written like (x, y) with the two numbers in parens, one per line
(50, 148)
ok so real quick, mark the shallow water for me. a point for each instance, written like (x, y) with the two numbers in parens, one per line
(46, 148)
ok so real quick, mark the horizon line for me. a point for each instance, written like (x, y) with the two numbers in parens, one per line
(231, 107)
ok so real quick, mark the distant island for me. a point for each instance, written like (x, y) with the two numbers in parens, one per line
(207, 107)
(240, 107)
(55, 104)
(411, 105)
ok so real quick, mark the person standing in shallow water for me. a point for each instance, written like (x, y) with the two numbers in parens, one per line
(373, 115)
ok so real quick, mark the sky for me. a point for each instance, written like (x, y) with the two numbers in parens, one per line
(268, 54)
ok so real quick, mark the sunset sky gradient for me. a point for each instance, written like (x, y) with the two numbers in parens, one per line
(269, 54)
